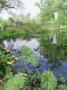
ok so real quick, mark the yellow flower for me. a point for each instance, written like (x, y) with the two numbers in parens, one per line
(6, 49)
(10, 62)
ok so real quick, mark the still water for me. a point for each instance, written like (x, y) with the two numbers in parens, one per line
(33, 43)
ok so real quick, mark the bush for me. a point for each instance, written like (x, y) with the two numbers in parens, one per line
(48, 81)
(6, 60)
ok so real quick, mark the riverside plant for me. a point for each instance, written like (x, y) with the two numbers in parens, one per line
(35, 81)
(62, 87)
(6, 60)
(53, 52)
(17, 82)
(29, 56)
(48, 81)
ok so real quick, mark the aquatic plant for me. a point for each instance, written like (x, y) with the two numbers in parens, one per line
(62, 87)
(29, 56)
(17, 82)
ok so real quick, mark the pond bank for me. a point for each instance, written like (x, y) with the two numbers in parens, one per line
(59, 72)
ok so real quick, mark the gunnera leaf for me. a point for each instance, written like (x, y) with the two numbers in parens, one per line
(48, 81)
(17, 82)
(62, 87)
(29, 56)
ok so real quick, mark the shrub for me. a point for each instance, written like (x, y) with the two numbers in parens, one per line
(6, 60)
(48, 81)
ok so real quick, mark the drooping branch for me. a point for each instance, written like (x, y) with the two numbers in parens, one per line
(7, 4)
(41, 4)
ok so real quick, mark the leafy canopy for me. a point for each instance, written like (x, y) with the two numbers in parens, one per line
(7, 4)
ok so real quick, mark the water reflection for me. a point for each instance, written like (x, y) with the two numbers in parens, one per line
(33, 44)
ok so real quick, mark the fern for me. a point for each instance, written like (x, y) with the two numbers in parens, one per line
(29, 56)
(48, 81)
(17, 82)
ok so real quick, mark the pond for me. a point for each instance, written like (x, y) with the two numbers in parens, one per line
(15, 45)
(34, 45)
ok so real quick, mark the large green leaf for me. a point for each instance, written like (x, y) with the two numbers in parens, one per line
(62, 87)
(48, 81)
(29, 56)
(17, 82)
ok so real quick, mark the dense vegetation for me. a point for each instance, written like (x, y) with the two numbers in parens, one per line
(50, 29)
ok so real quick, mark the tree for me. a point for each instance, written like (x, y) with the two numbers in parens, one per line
(6, 4)
(56, 29)
(49, 7)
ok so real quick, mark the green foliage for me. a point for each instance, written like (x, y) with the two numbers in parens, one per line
(48, 81)
(2, 3)
(55, 27)
(47, 9)
(62, 19)
(62, 87)
(54, 52)
(17, 82)
(18, 29)
(62, 80)
(35, 80)
(6, 4)
(5, 61)
(29, 56)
